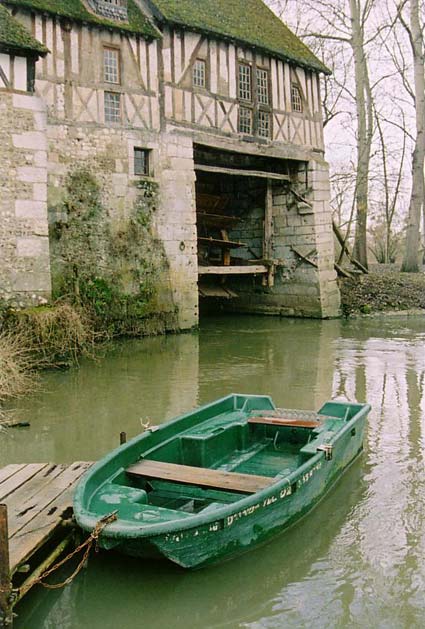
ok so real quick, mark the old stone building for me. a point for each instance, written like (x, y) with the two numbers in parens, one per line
(194, 133)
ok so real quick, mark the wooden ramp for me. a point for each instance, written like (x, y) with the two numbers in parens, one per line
(36, 502)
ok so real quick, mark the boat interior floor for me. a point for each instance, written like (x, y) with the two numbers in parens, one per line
(212, 464)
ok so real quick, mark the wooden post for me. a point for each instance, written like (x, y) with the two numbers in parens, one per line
(6, 616)
(123, 438)
(268, 231)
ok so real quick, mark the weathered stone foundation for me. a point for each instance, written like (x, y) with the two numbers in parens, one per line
(24, 243)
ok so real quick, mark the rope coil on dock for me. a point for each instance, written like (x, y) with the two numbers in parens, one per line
(87, 545)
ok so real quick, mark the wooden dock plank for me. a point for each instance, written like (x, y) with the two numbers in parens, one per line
(21, 513)
(24, 504)
(34, 534)
(204, 477)
(14, 482)
(9, 470)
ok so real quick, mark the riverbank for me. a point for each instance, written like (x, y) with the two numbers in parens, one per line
(56, 336)
(382, 292)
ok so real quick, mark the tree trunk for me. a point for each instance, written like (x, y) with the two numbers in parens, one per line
(411, 256)
(364, 131)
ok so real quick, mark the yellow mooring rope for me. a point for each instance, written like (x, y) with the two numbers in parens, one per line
(86, 546)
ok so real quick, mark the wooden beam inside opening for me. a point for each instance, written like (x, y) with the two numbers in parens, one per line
(237, 172)
(233, 270)
(268, 222)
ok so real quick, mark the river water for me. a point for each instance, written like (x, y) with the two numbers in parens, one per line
(357, 560)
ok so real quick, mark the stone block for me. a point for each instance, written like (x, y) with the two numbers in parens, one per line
(26, 101)
(31, 174)
(39, 192)
(24, 282)
(31, 209)
(34, 247)
(33, 140)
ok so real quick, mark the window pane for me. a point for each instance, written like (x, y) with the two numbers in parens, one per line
(264, 124)
(111, 65)
(199, 73)
(141, 161)
(263, 86)
(296, 100)
(112, 107)
(245, 82)
(245, 120)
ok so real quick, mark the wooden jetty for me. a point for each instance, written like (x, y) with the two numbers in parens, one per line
(35, 525)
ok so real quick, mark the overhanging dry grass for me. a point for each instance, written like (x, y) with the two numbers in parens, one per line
(16, 366)
(40, 338)
(17, 369)
(56, 335)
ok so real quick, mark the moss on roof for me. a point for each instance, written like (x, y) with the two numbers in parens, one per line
(14, 36)
(76, 10)
(248, 21)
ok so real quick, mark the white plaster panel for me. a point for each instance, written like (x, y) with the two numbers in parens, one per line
(5, 66)
(213, 66)
(21, 74)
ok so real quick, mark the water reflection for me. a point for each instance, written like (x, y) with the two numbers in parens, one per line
(356, 561)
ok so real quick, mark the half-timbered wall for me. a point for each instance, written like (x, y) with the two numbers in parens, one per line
(215, 107)
(71, 81)
(163, 112)
(13, 72)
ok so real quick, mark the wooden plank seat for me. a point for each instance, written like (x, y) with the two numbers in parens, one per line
(200, 476)
(284, 421)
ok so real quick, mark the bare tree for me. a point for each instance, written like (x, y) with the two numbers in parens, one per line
(413, 29)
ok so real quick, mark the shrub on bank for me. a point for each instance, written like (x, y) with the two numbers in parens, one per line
(382, 292)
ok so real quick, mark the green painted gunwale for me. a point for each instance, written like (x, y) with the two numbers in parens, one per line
(203, 543)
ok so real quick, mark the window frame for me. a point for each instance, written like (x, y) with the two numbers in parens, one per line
(147, 172)
(242, 108)
(268, 83)
(205, 86)
(245, 64)
(263, 112)
(117, 51)
(254, 104)
(297, 101)
(116, 94)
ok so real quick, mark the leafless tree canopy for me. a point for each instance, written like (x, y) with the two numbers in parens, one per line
(374, 115)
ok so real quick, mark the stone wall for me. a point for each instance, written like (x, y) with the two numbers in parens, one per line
(299, 230)
(176, 222)
(24, 243)
(124, 249)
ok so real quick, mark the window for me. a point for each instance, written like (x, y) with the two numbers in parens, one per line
(245, 120)
(263, 86)
(245, 82)
(199, 76)
(112, 107)
(141, 161)
(296, 99)
(263, 124)
(111, 65)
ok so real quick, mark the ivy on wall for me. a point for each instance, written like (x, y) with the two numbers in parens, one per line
(114, 268)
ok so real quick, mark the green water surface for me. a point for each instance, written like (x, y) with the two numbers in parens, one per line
(357, 561)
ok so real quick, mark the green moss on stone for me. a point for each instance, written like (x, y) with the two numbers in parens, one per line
(14, 36)
(245, 21)
(137, 23)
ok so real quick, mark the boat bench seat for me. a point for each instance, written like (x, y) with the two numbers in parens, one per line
(284, 421)
(200, 476)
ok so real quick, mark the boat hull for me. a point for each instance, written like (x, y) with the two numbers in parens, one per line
(263, 517)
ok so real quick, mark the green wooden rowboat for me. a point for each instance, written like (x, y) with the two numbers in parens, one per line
(218, 480)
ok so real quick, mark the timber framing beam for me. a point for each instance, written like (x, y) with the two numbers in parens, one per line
(238, 172)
